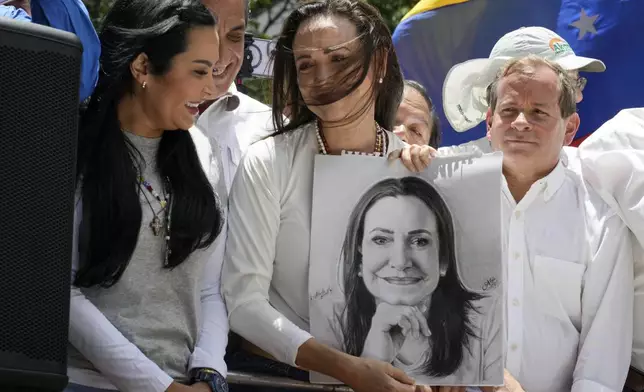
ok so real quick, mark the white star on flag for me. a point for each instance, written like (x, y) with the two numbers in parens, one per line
(585, 24)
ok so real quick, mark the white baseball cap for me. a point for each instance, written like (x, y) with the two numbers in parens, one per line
(465, 87)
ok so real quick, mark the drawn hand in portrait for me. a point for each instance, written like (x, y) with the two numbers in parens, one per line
(397, 331)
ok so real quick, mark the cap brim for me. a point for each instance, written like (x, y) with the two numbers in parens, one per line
(584, 64)
(465, 90)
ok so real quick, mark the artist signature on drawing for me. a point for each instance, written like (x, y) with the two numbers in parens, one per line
(320, 294)
(490, 284)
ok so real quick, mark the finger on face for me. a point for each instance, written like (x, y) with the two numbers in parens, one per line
(415, 324)
(405, 324)
(422, 321)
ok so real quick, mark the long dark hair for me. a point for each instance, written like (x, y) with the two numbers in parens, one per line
(448, 316)
(376, 52)
(107, 164)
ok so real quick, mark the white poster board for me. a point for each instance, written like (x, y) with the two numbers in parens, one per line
(407, 268)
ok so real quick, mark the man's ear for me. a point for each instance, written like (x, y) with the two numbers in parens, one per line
(571, 125)
(140, 68)
(488, 123)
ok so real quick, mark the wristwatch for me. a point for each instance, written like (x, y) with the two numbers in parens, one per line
(215, 381)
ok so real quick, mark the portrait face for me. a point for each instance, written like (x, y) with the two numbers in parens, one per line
(527, 124)
(400, 263)
(231, 26)
(171, 100)
(413, 118)
(325, 50)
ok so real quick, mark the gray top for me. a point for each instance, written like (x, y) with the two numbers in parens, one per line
(158, 310)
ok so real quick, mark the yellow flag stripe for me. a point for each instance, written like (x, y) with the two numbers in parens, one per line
(429, 5)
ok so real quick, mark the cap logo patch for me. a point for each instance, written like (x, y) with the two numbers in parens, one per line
(559, 46)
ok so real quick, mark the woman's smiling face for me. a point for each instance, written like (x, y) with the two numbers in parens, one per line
(400, 263)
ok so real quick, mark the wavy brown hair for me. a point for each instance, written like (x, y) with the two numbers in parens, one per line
(376, 53)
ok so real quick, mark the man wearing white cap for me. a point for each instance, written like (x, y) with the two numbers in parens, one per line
(466, 83)
(568, 275)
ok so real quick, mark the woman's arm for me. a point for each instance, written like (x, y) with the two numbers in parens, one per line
(94, 336)
(253, 227)
(213, 336)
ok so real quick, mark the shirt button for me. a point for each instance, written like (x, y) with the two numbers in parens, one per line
(514, 347)
(517, 214)
(515, 302)
(517, 255)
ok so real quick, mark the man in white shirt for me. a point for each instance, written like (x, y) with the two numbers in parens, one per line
(612, 161)
(464, 90)
(234, 120)
(568, 276)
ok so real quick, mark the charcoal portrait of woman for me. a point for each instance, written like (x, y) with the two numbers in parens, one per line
(404, 302)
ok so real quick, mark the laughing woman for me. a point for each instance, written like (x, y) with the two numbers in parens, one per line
(148, 214)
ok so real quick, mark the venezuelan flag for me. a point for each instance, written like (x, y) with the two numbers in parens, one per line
(437, 34)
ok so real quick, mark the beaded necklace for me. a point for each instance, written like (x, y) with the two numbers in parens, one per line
(379, 148)
(166, 206)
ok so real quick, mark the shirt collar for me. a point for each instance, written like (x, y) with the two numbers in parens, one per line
(551, 183)
(546, 186)
(230, 100)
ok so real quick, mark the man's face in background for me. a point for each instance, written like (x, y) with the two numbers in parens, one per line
(231, 26)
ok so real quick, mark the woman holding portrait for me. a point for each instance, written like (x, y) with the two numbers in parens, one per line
(145, 309)
(336, 70)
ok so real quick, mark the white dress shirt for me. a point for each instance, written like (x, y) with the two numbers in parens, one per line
(122, 365)
(569, 288)
(612, 161)
(235, 130)
(265, 278)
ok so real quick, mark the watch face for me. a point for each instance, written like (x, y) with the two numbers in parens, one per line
(221, 385)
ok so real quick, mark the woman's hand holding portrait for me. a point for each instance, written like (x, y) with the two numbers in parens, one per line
(370, 375)
(415, 157)
(510, 384)
(383, 342)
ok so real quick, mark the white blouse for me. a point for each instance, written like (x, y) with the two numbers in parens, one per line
(266, 267)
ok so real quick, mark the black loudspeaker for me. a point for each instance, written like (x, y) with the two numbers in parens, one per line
(39, 94)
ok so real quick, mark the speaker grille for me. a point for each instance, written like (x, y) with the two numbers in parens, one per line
(38, 138)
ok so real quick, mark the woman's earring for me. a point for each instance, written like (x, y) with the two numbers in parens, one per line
(360, 274)
(380, 81)
(443, 270)
(144, 85)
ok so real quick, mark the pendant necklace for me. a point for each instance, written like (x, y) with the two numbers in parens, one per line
(166, 204)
